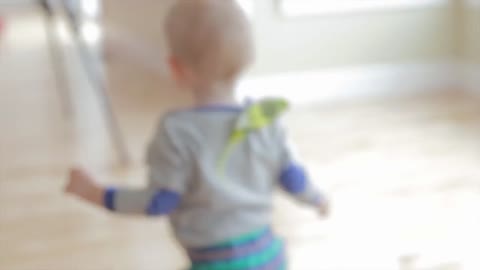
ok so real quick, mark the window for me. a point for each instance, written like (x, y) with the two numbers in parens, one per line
(247, 5)
(294, 8)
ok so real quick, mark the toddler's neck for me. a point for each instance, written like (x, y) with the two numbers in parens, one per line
(215, 94)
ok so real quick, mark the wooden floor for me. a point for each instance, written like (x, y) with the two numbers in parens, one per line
(404, 176)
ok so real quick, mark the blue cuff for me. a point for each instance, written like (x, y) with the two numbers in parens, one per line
(163, 202)
(109, 198)
(294, 179)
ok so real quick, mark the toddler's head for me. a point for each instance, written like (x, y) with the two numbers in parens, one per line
(210, 42)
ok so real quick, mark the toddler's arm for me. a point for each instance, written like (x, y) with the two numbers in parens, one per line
(122, 200)
(294, 178)
(168, 179)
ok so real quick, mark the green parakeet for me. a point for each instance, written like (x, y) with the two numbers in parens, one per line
(257, 116)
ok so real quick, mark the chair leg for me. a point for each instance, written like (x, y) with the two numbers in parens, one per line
(95, 76)
(97, 80)
(57, 61)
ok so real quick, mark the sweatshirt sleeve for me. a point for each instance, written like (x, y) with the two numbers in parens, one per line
(168, 170)
(293, 176)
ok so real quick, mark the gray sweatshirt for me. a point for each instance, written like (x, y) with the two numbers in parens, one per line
(215, 206)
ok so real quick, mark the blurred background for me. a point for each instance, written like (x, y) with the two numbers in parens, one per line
(386, 114)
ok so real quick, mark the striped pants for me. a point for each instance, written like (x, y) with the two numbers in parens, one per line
(259, 250)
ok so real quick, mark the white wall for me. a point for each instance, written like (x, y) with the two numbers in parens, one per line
(472, 45)
(390, 36)
(376, 38)
(285, 44)
(472, 19)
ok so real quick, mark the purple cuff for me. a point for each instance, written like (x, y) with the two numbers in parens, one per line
(109, 198)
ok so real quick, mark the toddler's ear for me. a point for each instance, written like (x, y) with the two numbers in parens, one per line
(176, 69)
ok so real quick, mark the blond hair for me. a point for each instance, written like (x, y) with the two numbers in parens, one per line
(213, 37)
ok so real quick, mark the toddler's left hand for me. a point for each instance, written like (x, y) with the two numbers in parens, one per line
(324, 207)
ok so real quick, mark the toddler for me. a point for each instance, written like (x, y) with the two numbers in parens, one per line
(213, 168)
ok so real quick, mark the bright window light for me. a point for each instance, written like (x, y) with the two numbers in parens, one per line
(91, 32)
(91, 8)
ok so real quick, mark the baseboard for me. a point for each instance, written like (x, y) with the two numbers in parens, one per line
(364, 82)
(318, 8)
(472, 78)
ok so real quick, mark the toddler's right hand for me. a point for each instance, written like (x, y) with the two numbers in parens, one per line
(83, 185)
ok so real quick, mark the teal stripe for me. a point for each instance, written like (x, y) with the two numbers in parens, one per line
(249, 262)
